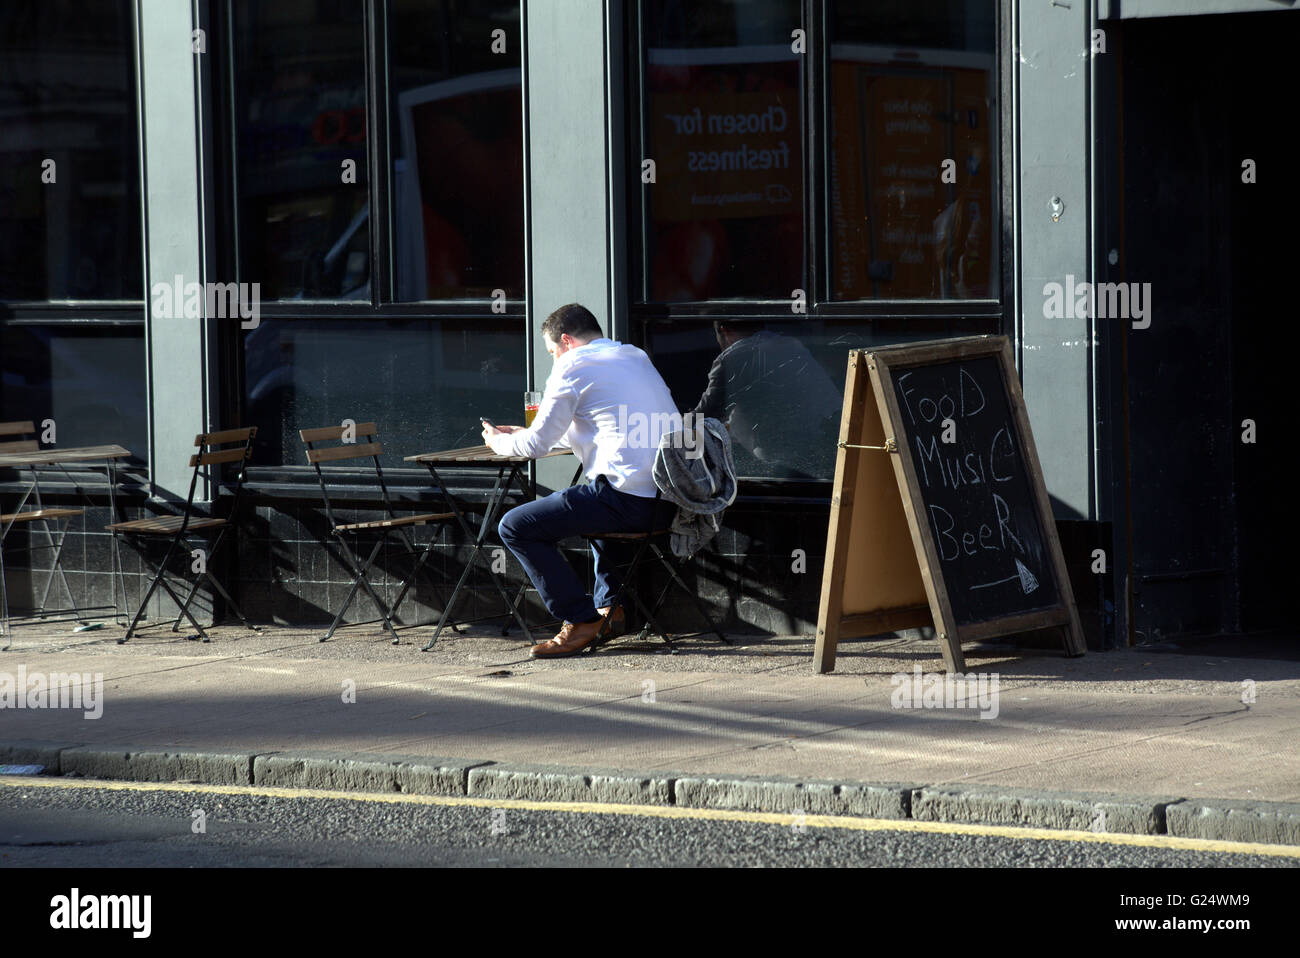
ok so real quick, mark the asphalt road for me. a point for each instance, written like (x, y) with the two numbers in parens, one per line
(71, 823)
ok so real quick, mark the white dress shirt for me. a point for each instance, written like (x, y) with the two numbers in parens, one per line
(606, 402)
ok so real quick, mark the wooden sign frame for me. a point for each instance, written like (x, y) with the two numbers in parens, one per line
(876, 429)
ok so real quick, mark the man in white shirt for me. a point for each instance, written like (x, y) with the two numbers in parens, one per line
(606, 402)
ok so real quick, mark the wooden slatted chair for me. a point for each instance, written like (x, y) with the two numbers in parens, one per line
(180, 526)
(363, 443)
(40, 514)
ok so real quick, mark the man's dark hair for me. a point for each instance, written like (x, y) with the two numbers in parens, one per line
(573, 319)
(741, 329)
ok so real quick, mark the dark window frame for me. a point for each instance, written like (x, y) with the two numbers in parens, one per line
(71, 314)
(815, 143)
(291, 479)
(88, 311)
(998, 312)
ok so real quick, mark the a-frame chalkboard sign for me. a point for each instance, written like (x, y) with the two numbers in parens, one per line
(939, 513)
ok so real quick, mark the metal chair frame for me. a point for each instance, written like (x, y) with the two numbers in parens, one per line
(650, 540)
(40, 515)
(392, 525)
(200, 462)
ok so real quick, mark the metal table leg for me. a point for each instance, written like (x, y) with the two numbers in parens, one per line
(490, 513)
(42, 610)
(116, 559)
(506, 475)
(460, 583)
(5, 627)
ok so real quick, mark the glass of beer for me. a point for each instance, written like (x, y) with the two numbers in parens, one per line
(532, 401)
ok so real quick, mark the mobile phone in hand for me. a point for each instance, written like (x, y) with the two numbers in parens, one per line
(487, 422)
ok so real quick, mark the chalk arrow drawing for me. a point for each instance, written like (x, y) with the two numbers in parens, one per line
(1027, 580)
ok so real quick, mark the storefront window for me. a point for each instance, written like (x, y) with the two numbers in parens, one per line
(912, 167)
(456, 137)
(454, 134)
(444, 224)
(70, 216)
(778, 386)
(423, 382)
(723, 124)
(894, 201)
(69, 159)
(907, 162)
(90, 380)
(300, 128)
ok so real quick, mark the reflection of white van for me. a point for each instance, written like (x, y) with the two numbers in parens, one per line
(408, 239)
(350, 257)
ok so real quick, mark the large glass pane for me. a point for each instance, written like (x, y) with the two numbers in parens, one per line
(423, 382)
(69, 157)
(300, 117)
(779, 387)
(457, 148)
(89, 380)
(913, 85)
(722, 119)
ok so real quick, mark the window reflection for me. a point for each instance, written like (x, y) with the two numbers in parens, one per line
(458, 149)
(912, 85)
(69, 164)
(300, 113)
(89, 380)
(779, 404)
(723, 123)
(778, 386)
(424, 382)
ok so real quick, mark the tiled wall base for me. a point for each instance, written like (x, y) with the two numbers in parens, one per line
(761, 574)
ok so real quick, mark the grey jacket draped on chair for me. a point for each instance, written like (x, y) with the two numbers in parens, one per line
(694, 470)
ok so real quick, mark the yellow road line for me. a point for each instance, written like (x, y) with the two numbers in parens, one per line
(676, 811)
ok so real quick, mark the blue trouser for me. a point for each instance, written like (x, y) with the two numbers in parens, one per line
(532, 532)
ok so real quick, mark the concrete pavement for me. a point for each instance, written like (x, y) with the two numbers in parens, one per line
(1144, 741)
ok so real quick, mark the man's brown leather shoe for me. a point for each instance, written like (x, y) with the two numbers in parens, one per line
(572, 638)
(617, 624)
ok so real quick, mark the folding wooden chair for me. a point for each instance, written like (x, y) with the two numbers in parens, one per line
(651, 541)
(394, 525)
(179, 527)
(40, 514)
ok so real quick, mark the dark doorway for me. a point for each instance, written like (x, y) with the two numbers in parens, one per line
(1214, 529)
